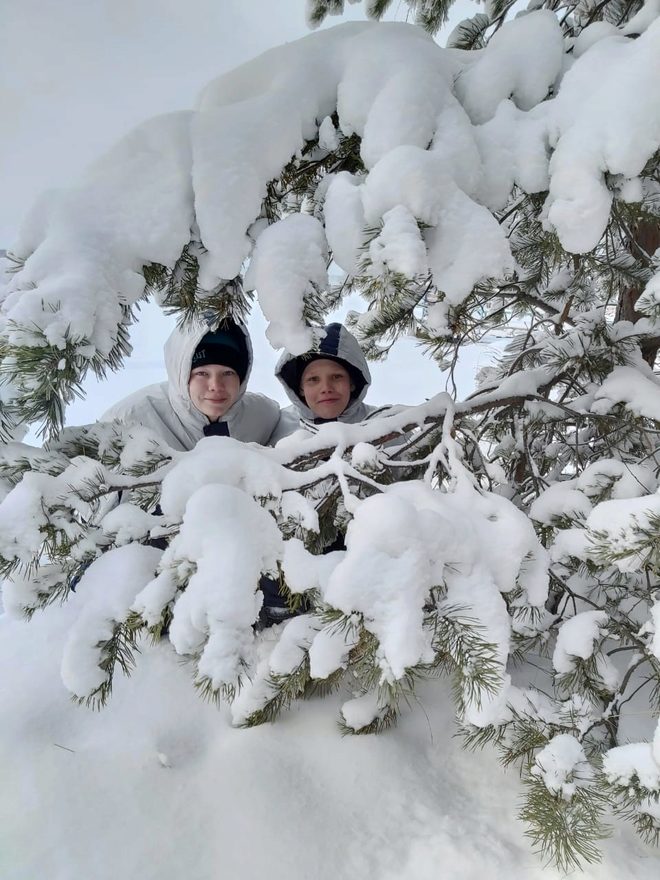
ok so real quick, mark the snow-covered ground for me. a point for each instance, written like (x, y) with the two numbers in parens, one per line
(159, 785)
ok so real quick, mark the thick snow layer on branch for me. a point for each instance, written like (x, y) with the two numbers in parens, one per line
(289, 260)
(558, 501)
(84, 249)
(640, 393)
(305, 571)
(654, 626)
(503, 68)
(22, 517)
(104, 595)
(344, 220)
(228, 540)
(330, 649)
(403, 542)
(622, 479)
(399, 246)
(598, 127)
(445, 135)
(633, 762)
(562, 765)
(220, 460)
(649, 301)
(361, 711)
(643, 19)
(21, 592)
(128, 522)
(575, 543)
(620, 523)
(577, 637)
(386, 575)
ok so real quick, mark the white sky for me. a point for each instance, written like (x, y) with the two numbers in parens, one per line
(77, 75)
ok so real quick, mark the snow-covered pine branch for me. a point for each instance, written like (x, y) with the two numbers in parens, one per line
(428, 174)
(508, 540)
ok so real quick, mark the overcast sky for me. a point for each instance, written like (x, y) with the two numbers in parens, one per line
(76, 75)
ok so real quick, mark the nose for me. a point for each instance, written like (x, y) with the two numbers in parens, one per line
(216, 381)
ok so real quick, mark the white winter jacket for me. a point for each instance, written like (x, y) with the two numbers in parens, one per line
(167, 409)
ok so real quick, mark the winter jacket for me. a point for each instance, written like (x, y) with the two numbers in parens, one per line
(167, 409)
(338, 343)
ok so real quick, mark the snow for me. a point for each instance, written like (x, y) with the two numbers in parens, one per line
(344, 220)
(502, 69)
(361, 711)
(103, 598)
(386, 575)
(649, 301)
(22, 517)
(330, 649)
(445, 136)
(220, 460)
(289, 261)
(654, 646)
(399, 246)
(619, 522)
(568, 543)
(643, 19)
(577, 637)
(624, 764)
(622, 479)
(640, 393)
(228, 540)
(305, 571)
(598, 128)
(562, 765)
(160, 760)
(128, 522)
(560, 500)
(594, 32)
(85, 251)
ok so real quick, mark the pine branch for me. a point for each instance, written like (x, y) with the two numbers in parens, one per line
(118, 651)
(566, 832)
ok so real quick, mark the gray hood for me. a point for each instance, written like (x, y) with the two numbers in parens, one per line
(179, 350)
(337, 343)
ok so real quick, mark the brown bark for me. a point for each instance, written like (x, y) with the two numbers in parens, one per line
(645, 241)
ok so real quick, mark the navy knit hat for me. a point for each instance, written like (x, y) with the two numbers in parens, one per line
(226, 347)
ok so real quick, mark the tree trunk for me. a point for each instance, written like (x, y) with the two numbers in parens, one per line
(646, 240)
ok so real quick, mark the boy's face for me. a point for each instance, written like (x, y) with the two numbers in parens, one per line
(326, 388)
(213, 389)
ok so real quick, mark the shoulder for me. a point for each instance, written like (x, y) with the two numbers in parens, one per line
(130, 407)
(260, 400)
(261, 405)
(288, 422)
(253, 418)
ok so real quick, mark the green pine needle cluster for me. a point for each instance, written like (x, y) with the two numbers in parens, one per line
(566, 832)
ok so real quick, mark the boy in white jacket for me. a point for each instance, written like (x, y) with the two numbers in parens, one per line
(208, 368)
